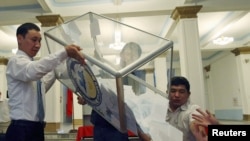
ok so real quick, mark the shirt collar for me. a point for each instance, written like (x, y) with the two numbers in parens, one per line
(183, 107)
(20, 52)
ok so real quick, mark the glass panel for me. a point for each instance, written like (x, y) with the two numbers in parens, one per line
(114, 51)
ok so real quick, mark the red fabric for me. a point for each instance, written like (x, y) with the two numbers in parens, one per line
(87, 132)
(206, 129)
(131, 134)
(69, 103)
(83, 132)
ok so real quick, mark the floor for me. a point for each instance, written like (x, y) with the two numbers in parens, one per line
(68, 133)
(68, 127)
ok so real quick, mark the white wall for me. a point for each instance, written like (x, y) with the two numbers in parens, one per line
(224, 89)
(243, 66)
(225, 83)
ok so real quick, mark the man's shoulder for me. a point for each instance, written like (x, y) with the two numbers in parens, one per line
(18, 56)
(189, 105)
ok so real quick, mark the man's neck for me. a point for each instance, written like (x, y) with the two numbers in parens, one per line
(173, 108)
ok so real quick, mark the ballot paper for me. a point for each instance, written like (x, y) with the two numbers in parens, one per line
(150, 111)
(146, 112)
(163, 131)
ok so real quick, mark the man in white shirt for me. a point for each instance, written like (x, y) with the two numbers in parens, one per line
(22, 74)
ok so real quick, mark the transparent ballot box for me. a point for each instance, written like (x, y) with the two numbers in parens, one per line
(120, 62)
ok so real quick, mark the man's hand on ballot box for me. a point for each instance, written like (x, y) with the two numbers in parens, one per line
(81, 101)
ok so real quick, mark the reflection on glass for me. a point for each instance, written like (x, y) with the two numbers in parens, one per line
(131, 52)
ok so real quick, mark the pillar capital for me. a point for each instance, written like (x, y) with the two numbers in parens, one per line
(241, 50)
(185, 12)
(3, 61)
(207, 68)
(50, 20)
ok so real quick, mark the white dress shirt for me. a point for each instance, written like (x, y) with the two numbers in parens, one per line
(22, 74)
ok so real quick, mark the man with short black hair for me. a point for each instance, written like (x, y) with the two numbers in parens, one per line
(180, 109)
(23, 74)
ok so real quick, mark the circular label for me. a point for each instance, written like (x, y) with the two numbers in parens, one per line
(84, 81)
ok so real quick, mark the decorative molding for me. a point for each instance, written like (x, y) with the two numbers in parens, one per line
(207, 68)
(3, 61)
(241, 50)
(149, 70)
(185, 12)
(50, 20)
(78, 122)
(52, 127)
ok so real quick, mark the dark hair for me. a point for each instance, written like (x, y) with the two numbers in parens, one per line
(180, 80)
(24, 28)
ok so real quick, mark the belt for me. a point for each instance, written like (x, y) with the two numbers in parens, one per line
(28, 123)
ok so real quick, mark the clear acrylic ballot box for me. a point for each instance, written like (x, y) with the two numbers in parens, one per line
(117, 55)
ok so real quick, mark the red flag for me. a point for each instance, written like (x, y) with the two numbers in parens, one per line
(69, 103)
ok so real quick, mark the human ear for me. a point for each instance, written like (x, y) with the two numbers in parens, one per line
(19, 38)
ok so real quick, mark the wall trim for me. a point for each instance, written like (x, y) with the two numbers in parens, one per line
(78, 122)
(246, 117)
(241, 50)
(3, 61)
(186, 12)
(52, 126)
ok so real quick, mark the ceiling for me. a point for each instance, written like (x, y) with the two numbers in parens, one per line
(217, 18)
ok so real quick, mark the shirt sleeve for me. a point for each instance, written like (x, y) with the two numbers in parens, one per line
(23, 69)
(193, 111)
(48, 80)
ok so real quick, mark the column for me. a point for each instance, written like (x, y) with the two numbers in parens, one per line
(53, 96)
(47, 22)
(243, 65)
(3, 81)
(3, 98)
(189, 51)
(208, 89)
(160, 69)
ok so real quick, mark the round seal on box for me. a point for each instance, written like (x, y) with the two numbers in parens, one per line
(84, 81)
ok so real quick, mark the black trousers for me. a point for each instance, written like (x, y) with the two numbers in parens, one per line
(23, 130)
(104, 131)
(2, 137)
